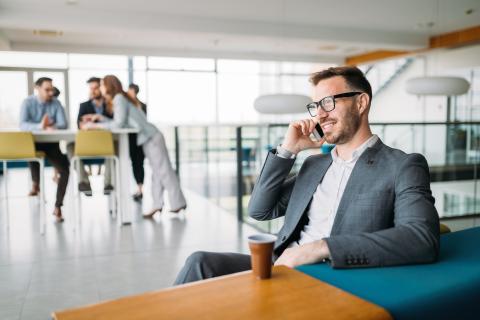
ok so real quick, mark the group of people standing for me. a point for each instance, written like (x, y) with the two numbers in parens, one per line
(109, 107)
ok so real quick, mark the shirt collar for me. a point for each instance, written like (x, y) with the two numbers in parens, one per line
(40, 102)
(356, 153)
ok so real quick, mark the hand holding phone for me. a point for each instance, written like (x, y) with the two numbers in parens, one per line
(298, 137)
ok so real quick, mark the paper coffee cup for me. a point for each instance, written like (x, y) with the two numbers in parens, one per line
(261, 249)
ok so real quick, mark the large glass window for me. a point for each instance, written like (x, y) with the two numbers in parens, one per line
(33, 59)
(13, 89)
(177, 90)
(179, 97)
(240, 82)
(191, 64)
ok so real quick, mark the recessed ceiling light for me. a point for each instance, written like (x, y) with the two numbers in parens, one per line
(351, 49)
(48, 33)
(425, 25)
(327, 47)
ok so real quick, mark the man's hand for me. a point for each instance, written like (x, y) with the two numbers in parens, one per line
(88, 126)
(97, 117)
(298, 138)
(305, 254)
(45, 122)
(92, 117)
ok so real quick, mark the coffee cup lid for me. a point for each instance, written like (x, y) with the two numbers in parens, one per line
(262, 238)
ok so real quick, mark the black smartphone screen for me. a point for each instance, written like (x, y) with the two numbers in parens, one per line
(318, 132)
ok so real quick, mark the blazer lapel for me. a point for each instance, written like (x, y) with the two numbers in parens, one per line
(366, 161)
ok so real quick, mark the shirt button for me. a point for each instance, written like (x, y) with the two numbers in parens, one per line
(284, 238)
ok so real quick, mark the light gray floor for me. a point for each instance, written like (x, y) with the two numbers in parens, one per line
(67, 268)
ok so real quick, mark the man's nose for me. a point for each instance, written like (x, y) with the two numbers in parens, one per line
(321, 114)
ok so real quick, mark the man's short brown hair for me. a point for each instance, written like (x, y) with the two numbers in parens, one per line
(353, 76)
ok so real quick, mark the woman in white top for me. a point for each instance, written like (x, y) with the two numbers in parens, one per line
(127, 115)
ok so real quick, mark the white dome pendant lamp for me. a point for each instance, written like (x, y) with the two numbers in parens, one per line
(437, 86)
(281, 103)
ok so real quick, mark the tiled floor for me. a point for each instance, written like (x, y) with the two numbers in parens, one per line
(98, 261)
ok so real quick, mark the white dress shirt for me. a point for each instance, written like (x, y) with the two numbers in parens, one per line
(326, 198)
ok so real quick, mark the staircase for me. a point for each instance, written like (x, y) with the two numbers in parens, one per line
(382, 74)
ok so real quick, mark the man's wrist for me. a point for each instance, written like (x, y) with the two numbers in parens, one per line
(321, 250)
(285, 153)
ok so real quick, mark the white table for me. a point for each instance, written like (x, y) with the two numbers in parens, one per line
(124, 208)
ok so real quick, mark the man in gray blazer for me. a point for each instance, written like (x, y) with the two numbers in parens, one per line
(362, 205)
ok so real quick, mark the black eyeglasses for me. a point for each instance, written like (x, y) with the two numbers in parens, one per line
(328, 103)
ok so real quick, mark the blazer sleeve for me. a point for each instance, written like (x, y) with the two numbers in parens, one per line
(414, 237)
(120, 114)
(272, 190)
(83, 110)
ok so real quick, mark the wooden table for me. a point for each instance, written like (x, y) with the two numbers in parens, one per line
(289, 294)
(124, 210)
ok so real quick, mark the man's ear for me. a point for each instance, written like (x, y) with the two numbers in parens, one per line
(363, 101)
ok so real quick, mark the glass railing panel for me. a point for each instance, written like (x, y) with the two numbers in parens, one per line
(209, 162)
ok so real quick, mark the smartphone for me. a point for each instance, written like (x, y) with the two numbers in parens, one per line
(318, 132)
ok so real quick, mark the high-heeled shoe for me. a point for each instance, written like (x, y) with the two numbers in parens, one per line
(152, 212)
(179, 209)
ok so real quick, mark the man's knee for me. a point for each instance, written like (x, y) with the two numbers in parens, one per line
(197, 258)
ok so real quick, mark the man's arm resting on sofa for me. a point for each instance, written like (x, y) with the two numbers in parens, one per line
(309, 253)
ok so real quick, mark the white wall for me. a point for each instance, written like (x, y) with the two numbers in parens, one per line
(394, 104)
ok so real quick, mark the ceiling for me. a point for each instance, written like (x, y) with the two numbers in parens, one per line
(307, 30)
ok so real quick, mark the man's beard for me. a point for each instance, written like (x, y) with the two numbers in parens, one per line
(351, 125)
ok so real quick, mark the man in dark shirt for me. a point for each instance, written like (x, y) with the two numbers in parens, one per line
(136, 152)
(95, 105)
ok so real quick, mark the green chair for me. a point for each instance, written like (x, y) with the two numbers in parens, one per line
(444, 229)
(95, 144)
(20, 146)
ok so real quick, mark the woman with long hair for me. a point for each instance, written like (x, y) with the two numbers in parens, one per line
(127, 115)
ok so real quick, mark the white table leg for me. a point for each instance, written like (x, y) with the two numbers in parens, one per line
(123, 208)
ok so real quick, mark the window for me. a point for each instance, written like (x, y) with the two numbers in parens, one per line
(190, 64)
(181, 97)
(33, 59)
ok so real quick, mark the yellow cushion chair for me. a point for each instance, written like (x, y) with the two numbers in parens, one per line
(444, 229)
(20, 146)
(94, 144)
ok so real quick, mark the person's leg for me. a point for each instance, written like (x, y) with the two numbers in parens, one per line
(153, 156)
(61, 163)
(137, 156)
(164, 169)
(140, 170)
(83, 182)
(204, 265)
(35, 172)
(107, 176)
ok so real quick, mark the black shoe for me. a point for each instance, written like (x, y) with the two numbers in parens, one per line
(57, 212)
(137, 197)
(85, 188)
(107, 189)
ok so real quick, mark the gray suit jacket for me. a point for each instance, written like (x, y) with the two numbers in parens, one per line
(385, 217)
